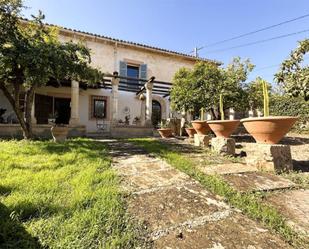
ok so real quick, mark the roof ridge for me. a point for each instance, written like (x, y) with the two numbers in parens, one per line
(131, 43)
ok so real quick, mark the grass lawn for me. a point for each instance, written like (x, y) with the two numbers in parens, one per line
(249, 203)
(61, 196)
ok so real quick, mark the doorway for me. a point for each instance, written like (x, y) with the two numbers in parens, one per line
(62, 110)
(49, 106)
(156, 113)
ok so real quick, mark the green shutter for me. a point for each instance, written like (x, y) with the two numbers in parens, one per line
(123, 68)
(143, 71)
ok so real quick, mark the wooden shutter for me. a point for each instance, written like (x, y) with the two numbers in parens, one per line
(143, 71)
(123, 69)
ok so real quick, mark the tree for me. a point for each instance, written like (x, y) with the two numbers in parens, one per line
(31, 54)
(201, 87)
(293, 74)
(254, 92)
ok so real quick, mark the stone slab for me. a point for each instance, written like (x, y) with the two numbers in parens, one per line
(257, 181)
(201, 140)
(234, 232)
(155, 179)
(223, 145)
(164, 208)
(269, 157)
(125, 168)
(294, 205)
(228, 168)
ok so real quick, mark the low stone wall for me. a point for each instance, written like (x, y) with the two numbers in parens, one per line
(131, 131)
(40, 131)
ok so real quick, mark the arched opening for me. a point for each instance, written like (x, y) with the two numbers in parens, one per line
(156, 113)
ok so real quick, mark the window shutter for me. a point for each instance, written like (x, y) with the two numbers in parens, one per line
(123, 70)
(143, 71)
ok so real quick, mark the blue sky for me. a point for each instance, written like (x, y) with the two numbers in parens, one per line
(181, 25)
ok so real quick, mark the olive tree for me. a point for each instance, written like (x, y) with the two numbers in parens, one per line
(294, 74)
(30, 55)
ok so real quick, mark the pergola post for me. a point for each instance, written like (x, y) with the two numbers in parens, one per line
(33, 118)
(231, 114)
(149, 87)
(115, 85)
(74, 120)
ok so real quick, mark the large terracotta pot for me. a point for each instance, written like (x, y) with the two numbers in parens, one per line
(268, 130)
(190, 131)
(59, 133)
(201, 127)
(223, 128)
(165, 132)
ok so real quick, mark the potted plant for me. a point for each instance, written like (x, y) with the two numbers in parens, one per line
(190, 130)
(165, 131)
(223, 128)
(137, 121)
(268, 129)
(201, 127)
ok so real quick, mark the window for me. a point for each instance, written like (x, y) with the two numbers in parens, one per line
(98, 105)
(133, 72)
(99, 110)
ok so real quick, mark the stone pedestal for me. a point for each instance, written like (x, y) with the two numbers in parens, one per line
(189, 140)
(201, 140)
(269, 157)
(223, 145)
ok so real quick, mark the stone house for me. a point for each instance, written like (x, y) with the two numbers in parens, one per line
(118, 106)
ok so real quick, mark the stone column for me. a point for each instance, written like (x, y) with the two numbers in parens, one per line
(148, 87)
(115, 84)
(231, 114)
(74, 120)
(208, 116)
(33, 118)
(143, 109)
(250, 113)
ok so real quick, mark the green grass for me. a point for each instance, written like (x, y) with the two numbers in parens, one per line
(301, 179)
(250, 203)
(61, 195)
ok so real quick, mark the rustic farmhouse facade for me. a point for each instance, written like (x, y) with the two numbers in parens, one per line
(119, 106)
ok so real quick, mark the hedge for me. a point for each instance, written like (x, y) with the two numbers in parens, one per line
(290, 106)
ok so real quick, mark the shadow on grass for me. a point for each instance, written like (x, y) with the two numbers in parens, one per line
(82, 145)
(13, 234)
(301, 166)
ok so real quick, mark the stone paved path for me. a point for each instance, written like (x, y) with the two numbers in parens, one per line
(291, 201)
(178, 211)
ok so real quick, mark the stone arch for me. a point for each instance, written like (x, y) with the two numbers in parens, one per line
(163, 105)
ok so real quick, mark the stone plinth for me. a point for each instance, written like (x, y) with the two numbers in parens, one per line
(269, 157)
(189, 140)
(201, 140)
(223, 145)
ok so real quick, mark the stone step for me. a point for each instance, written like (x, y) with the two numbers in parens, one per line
(234, 231)
(257, 181)
(227, 168)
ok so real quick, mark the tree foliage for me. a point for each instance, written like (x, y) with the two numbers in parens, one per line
(31, 54)
(201, 87)
(254, 92)
(294, 74)
(283, 105)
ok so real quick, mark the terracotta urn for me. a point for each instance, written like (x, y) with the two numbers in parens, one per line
(269, 130)
(165, 132)
(223, 128)
(190, 131)
(201, 127)
(59, 133)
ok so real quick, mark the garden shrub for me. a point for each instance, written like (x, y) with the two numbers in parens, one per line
(291, 106)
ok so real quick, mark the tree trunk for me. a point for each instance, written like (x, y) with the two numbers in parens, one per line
(213, 113)
(28, 107)
(14, 101)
